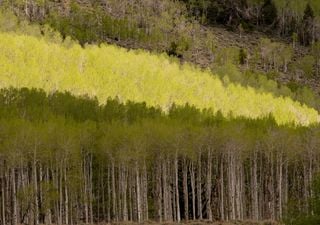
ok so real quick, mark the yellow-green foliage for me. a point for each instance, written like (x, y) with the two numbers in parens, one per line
(109, 71)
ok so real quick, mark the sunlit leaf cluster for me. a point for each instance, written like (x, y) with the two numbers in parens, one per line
(108, 71)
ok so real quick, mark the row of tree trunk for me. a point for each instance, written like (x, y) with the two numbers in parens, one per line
(213, 185)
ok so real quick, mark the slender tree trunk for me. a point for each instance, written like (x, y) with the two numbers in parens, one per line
(193, 192)
(254, 193)
(199, 188)
(231, 185)
(185, 189)
(145, 184)
(209, 186)
(91, 188)
(60, 174)
(280, 187)
(158, 191)
(3, 199)
(272, 191)
(177, 189)
(48, 210)
(109, 195)
(222, 215)
(165, 191)
(124, 194)
(114, 198)
(35, 183)
(139, 212)
(14, 197)
(66, 196)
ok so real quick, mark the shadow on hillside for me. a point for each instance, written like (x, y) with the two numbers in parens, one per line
(37, 105)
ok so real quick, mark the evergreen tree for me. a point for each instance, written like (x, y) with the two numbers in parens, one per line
(269, 12)
(307, 35)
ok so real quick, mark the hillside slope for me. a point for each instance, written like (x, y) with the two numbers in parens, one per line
(109, 71)
(166, 27)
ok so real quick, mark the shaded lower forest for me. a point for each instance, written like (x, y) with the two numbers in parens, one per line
(69, 160)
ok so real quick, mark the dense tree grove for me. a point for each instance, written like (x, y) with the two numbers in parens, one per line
(159, 24)
(94, 133)
(165, 26)
(286, 16)
(108, 71)
(180, 28)
(68, 160)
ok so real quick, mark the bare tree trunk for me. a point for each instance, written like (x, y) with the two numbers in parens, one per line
(193, 187)
(177, 189)
(254, 184)
(199, 188)
(90, 188)
(109, 195)
(139, 213)
(311, 194)
(145, 191)
(35, 183)
(271, 189)
(165, 191)
(231, 185)
(280, 186)
(48, 210)
(285, 185)
(124, 194)
(158, 191)
(185, 189)
(169, 189)
(222, 215)
(102, 186)
(3, 199)
(209, 186)
(66, 197)
(114, 198)
(305, 189)
(119, 192)
(238, 189)
(60, 219)
(14, 197)
(130, 200)
(41, 218)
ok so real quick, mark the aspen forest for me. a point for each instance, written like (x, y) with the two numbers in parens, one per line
(69, 160)
(159, 112)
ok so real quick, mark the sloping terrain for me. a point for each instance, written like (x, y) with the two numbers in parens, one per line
(169, 27)
(109, 71)
(95, 133)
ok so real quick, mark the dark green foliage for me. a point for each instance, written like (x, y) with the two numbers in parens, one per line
(295, 217)
(315, 201)
(308, 12)
(269, 12)
(306, 65)
(36, 105)
(173, 50)
(83, 25)
(272, 75)
(178, 47)
(243, 56)
(294, 86)
(186, 114)
(306, 34)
